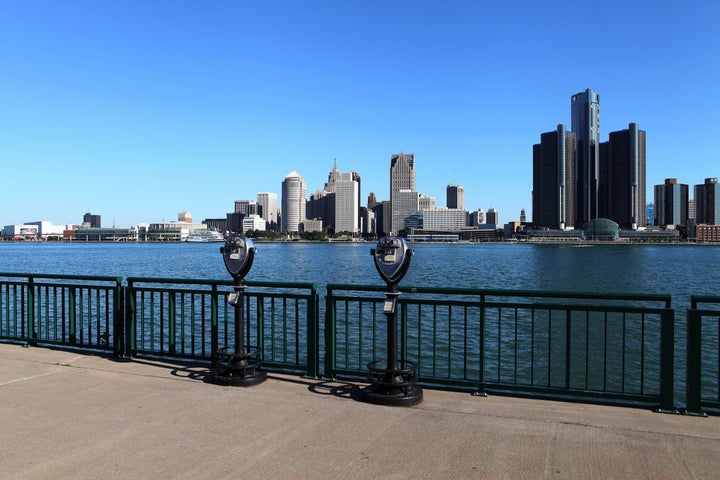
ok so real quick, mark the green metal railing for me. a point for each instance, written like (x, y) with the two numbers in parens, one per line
(591, 347)
(615, 348)
(73, 310)
(192, 319)
(703, 355)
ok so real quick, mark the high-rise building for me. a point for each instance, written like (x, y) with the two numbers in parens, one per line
(622, 193)
(92, 221)
(585, 123)
(455, 197)
(402, 177)
(294, 191)
(671, 203)
(268, 208)
(405, 204)
(707, 202)
(493, 218)
(346, 203)
(554, 195)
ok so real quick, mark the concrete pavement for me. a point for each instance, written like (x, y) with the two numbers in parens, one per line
(68, 415)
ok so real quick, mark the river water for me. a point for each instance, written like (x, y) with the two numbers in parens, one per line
(678, 270)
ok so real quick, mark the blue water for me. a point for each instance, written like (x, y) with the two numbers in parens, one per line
(665, 269)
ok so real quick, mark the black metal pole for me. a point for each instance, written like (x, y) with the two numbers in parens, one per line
(239, 306)
(392, 335)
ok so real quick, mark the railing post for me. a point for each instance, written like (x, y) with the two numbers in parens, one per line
(172, 320)
(330, 346)
(31, 333)
(118, 319)
(130, 320)
(667, 361)
(313, 333)
(694, 364)
(214, 330)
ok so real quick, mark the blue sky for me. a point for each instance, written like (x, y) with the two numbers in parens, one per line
(138, 110)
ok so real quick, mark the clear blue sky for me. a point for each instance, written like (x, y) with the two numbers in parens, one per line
(137, 110)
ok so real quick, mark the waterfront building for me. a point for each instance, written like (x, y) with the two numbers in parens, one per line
(91, 220)
(268, 202)
(185, 217)
(405, 204)
(455, 197)
(585, 124)
(493, 217)
(312, 225)
(254, 222)
(346, 203)
(671, 203)
(523, 217)
(622, 193)
(402, 178)
(554, 194)
(707, 202)
(294, 191)
(443, 219)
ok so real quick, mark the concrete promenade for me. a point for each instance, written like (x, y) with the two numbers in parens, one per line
(68, 415)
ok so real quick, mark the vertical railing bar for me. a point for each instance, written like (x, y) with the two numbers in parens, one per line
(568, 347)
(624, 345)
(515, 373)
(549, 342)
(642, 353)
(587, 349)
(605, 353)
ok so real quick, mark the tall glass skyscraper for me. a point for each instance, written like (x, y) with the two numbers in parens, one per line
(585, 124)
(553, 193)
(671, 203)
(622, 179)
(707, 202)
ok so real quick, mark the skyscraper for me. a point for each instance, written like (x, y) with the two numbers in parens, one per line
(622, 193)
(585, 124)
(268, 208)
(294, 191)
(554, 185)
(455, 197)
(671, 203)
(346, 203)
(707, 202)
(402, 177)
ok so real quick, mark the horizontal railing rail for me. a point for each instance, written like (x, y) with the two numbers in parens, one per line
(703, 357)
(616, 348)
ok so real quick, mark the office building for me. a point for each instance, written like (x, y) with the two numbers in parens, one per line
(294, 191)
(346, 203)
(268, 202)
(707, 202)
(493, 218)
(443, 219)
(585, 124)
(402, 178)
(671, 203)
(553, 196)
(455, 197)
(622, 196)
(92, 221)
(405, 204)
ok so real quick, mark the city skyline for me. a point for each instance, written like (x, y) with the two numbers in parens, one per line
(140, 110)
